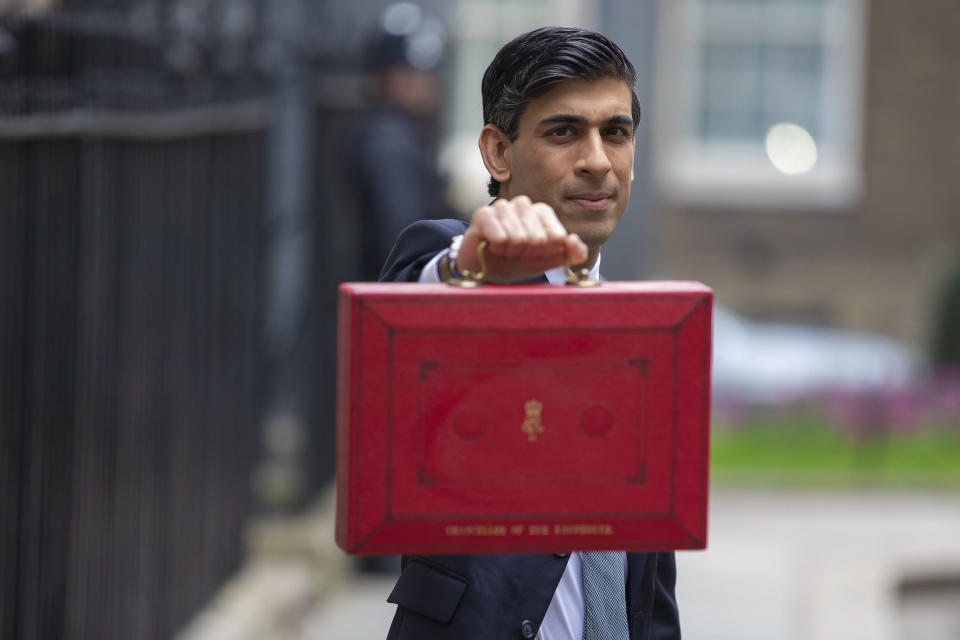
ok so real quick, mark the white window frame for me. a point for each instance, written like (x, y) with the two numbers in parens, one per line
(688, 171)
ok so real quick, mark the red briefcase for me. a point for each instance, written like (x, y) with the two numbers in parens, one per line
(522, 418)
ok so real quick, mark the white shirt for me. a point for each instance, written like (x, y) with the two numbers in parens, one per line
(564, 617)
(557, 275)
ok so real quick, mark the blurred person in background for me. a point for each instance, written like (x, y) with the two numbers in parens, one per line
(395, 154)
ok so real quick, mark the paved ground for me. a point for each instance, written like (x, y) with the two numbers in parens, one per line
(816, 566)
(782, 565)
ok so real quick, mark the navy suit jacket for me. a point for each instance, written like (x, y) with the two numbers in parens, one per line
(505, 596)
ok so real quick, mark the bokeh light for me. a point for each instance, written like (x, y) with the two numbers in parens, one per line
(791, 148)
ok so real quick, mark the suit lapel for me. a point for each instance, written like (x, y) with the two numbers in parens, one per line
(641, 568)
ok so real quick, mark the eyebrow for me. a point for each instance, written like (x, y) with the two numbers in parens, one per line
(563, 118)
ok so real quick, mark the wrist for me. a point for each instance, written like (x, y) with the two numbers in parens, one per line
(453, 253)
(443, 267)
(452, 273)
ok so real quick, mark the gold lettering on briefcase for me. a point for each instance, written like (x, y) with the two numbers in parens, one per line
(531, 424)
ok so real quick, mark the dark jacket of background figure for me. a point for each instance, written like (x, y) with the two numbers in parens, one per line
(395, 161)
(493, 597)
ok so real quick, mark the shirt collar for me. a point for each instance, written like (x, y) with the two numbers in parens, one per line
(558, 275)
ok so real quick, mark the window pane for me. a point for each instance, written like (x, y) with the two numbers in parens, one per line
(755, 71)
(792, 83)
(733, 126)
(730, 90)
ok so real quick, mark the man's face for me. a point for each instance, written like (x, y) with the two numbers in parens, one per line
(574, 151)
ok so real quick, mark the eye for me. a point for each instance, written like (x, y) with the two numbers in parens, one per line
(617, 132)
(562, 131)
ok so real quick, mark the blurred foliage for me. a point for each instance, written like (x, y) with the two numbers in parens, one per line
(803, 447)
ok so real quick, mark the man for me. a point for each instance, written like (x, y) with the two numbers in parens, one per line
(558, 140)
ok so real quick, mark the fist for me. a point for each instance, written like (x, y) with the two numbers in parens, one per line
(524, 240)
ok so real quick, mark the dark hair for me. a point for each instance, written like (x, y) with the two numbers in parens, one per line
(533, 63)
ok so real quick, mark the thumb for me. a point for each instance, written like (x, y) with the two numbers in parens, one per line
(576, 249)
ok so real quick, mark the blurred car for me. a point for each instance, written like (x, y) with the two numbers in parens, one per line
(773, 363)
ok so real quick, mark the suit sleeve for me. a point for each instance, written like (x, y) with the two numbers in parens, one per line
(415, 247)
(665, 619)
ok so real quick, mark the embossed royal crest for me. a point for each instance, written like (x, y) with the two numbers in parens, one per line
(532, 426)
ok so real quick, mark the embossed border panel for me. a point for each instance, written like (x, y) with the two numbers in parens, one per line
(523, 418)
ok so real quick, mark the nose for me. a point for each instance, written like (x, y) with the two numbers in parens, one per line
(593, 158)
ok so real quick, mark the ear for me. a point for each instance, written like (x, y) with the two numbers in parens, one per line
(495, 149)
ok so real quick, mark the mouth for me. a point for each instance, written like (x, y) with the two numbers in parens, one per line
(592, 200)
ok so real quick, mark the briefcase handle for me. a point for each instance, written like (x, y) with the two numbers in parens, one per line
(580, 277)
(577, 278)
(467, 278)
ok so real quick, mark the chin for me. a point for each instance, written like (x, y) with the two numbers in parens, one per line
(600, 228)
(593, 237)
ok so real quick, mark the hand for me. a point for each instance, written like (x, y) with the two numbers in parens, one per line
(524, 240)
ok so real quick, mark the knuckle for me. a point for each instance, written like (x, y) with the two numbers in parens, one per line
(544, 210)
(483, 213)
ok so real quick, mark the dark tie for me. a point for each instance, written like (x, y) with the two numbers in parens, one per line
(604, 596)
